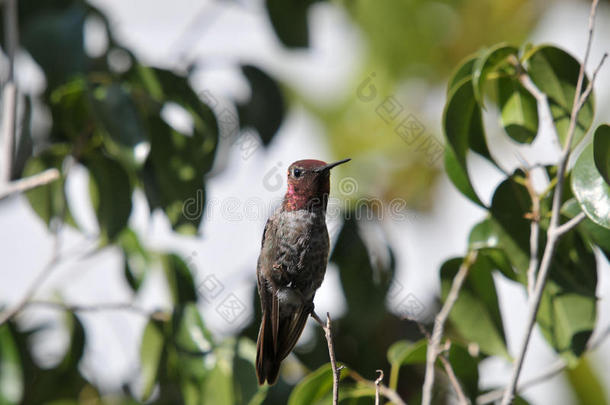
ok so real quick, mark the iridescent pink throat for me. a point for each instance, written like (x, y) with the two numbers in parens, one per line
(294, 200)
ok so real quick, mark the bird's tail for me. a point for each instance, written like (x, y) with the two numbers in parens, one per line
(267, 363)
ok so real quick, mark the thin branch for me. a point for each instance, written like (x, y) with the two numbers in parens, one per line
(552, 232)
(11, 33)
(534, 232)
(331, 353)
(454, 381)
(29, 183)
(562, 229)
(441, 318)
(387, 392)
(102, 307)
(378, 382)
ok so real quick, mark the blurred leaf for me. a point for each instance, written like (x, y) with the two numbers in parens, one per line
(11, 373)
(54, 31)
(404, 352)
(136, 259)
(463, 127)
(519, 110)
(180, 280)
(71, 112)
(464, 70)
(49, 201)
(247, 391)
(218, 385)
(358, 276)
(124, 134)
(289, 21)
(466, 369)
(110, 191)
(601, 151)
(555, 73)
(151, 351)
(475, 314)
(492, 60)
(493, 244)
(193, 342)
(265, 110)
(585, 383)
(313, 387)
(590, 189)
(567, 311)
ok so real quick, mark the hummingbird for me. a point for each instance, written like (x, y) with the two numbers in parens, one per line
(292, 263)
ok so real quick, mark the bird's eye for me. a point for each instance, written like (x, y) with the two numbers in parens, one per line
(296, 172)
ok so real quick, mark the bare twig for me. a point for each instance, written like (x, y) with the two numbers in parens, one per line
(552, 233)
(331, 353)
(439, 323)
(378, 382)
(563, 228)
(454, 381)
(383, 389)
(29, 183)
(11, 34)
(102, 307)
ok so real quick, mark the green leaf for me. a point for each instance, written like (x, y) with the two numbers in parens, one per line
(464, 70)
(493, 244)
(475, 314)
(601, 151)
(247, 390)
(567, 311)
(586, 384)
(555, 73)
(492, 60)
(466, 368)
(595, 234)
(314, 387)
(265, 109)
(180, 279)
(519, 110)
(25, 145)
(49, 201)
(590, 189)
(110, 191)
(404, 352)
(289, 21)
(151, 352)
(136, 259)
(11, 373)
(463, 127)
(125, 137)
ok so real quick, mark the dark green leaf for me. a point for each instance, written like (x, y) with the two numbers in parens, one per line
(265, 109)
(24, 141)
(519, 110)
(493, 244)
(567, 311)
(464, 70)
(590, 189)
(595, 234)
(586, 384)
(218, 385)
(466, 369)
(247, 390)
(11, 373)
(555, 73)
(180, 279)
(289, 20)
(458, 175)
(110, 191)
(476, 314)
(601, 151)
(151, 352)
(492, 60)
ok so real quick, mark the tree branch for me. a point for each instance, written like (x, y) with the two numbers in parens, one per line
(454, 381)
(11, 33)
(111, 306)
(378, 382)
(29, 183)
(441, 318)
(534, 232)
(552, 233)
(331, 354)
(383, 389)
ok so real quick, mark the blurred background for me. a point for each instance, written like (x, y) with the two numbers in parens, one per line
(233, 92)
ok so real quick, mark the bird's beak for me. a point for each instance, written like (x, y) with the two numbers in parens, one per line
(331, 165)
